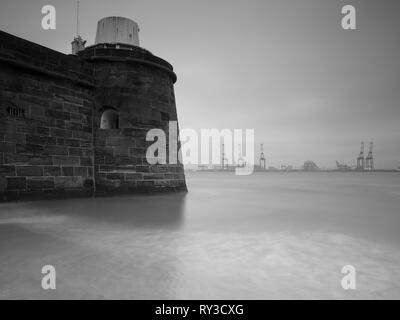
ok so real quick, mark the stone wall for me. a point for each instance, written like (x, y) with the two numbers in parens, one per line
(46, 109)
(121, 165)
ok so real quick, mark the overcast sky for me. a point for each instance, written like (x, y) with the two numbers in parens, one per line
(286, 68)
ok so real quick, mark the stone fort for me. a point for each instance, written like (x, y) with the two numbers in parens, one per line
(76, 125)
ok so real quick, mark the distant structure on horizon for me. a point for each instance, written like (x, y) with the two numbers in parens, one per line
(310, 165)
(224, 160)
(342, 166)
(369, 161)
(360, 159)
(262, 158)
(365, 164)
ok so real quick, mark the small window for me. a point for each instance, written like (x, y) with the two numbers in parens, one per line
(16, 112)
(164, 116)
(109, 119)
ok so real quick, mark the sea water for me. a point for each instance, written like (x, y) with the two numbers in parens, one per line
(264, 236)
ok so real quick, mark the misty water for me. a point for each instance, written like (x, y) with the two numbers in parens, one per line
(268, 235)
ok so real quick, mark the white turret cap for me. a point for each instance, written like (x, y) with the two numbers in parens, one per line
(117, 30)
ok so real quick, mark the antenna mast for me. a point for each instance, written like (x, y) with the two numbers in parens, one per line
(78, 44)
(77, 18)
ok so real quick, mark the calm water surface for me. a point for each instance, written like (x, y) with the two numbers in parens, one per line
(269, 235)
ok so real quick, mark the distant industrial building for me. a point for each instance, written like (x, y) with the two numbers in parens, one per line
(310, 165)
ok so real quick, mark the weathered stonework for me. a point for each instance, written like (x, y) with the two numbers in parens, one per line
(51, 105)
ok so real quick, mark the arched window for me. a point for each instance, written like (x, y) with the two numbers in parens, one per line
(109, 119)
